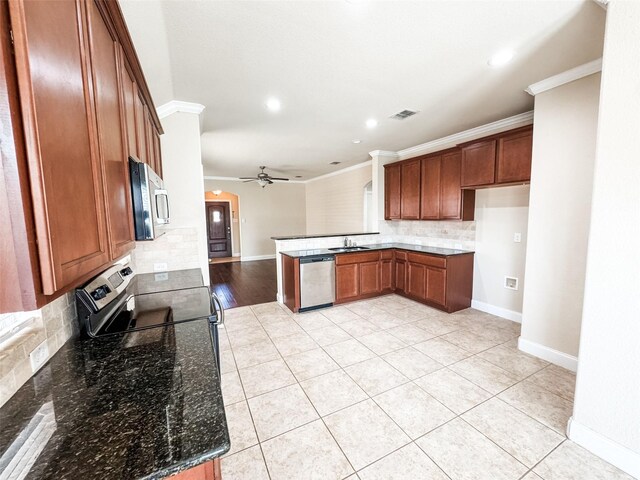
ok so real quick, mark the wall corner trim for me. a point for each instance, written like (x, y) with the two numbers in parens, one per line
(565, 77)
(383, 153)
(556, 357)
(178, 106)
(612, 452)
(498, 311)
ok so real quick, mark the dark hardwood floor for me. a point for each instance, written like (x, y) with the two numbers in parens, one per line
(244, 283)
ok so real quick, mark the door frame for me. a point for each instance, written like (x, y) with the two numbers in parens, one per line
(206, 204)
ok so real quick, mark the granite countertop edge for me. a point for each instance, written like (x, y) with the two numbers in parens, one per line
(188, 464)
(437, 251)
(323, 235)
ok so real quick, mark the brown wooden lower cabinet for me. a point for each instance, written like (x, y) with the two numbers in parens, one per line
(204, 471)
(291, 282)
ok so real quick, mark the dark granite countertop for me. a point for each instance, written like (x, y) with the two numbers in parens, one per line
(323, 235)
(146, 405)
(442, 252)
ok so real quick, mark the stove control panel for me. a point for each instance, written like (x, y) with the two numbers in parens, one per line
(108, 285)
(100, 292)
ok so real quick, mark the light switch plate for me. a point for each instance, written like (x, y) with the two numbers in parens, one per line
(159, 267)
(38, 356)
(517, 237)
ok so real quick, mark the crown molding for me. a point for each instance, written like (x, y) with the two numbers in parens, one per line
(565, 77)
(508, 123)
(236, 179)
(339, 172)
(177, 106)
(383, 153)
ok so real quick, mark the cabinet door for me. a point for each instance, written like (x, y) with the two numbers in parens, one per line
(410, 190)
(392, 192)
(416, 279)
(400, 277)
(346, 281)
(129, 94)
(64, 166)
(386, 275)
(436, 285)
(141, 130)
(369, 274)
(111, 136)
(150, 134)
(479, 163)
(450, 192)
(514, 157)
(430, 190)
(157, 153)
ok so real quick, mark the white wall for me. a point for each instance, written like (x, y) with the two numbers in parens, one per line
(275, 210)
(184, 245)
(500, 213)
(606, 417)
(335, 203)
(565, 121)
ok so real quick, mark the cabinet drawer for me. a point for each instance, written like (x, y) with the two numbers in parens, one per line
(347, 258)
(386, 254)
(430, 260)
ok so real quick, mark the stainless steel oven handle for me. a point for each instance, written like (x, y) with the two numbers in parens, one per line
(221, 316)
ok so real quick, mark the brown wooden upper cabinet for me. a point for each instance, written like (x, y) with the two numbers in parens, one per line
(72, 86)
(410, 190)
(392, 191)
(499, 159)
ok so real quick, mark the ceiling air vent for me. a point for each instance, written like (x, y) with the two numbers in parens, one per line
(335, 163)
(404, 114)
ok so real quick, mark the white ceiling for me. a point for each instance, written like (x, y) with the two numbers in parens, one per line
(334, 64)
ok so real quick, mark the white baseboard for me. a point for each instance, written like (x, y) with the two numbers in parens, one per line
(614, 453)
(279, 299)
(498, 311)
(258, 257)
(549, 354)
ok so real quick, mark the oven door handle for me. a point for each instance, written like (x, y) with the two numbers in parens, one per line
(217, 301)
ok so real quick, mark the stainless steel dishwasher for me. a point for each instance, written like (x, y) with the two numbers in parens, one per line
(317, 282)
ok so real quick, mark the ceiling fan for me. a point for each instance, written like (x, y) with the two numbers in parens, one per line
(263, 179)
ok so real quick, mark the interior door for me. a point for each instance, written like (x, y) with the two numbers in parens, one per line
(218, 229)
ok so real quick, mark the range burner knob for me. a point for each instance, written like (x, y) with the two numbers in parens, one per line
(125, 272)
(100, 292)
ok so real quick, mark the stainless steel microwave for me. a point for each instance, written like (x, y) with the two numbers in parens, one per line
(150, 201)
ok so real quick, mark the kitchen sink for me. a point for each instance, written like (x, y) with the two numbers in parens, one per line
(348, 249)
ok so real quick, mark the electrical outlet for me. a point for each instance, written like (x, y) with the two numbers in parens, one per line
(517, 237)
(159, 267)
(161, 277)
(511, 283)
(38, 356)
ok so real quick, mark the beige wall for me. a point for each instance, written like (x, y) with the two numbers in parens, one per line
(565, 121)
(335, 204)
(232, 199)
(606, 417)
(500, 213)
(277, 209)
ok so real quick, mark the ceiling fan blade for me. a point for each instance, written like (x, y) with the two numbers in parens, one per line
(248, 178)
(280, 179)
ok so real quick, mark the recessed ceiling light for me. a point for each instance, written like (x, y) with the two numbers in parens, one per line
(372, 123)
(298, 176)
(273, 104)
(356, 141)
(501, 58)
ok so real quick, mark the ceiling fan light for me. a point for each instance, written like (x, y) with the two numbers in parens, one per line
(263, 183)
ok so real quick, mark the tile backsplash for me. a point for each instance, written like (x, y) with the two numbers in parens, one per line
(177, 248)
(446, 234)
(22, 332)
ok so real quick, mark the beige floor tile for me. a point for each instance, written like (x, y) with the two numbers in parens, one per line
(546, 407)
(436, 326)
(469, 341)
(386, 321)
(266, 377)
(532, 476)
(365, 433)
(517, 363)
(340, 315)
(465, 454)
(572, 462)
(280, 411)
(296, 343)
(232, 391)
(244, 465)
(520, 435)
(407, 463)
(266, 318)
(238, 323)
(329, 335)
(442, 351)
(375, 376)
(365, 309)
(410, 334)
(411, 363)
(227, 362)
(455, 392)
(308, 452)
(359, 327)
(333, 391)
(349, 352)
(484, 374)
(495, 334)
(247, 336)
(311, 364)
(557, 380)
(240, 426)
(382, 342)
(312, 320)
(255, 354)
(414, 410)
(282, 329)
(513, 343)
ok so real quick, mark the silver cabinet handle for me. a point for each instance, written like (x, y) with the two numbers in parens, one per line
(219, 303)
(158, 193)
